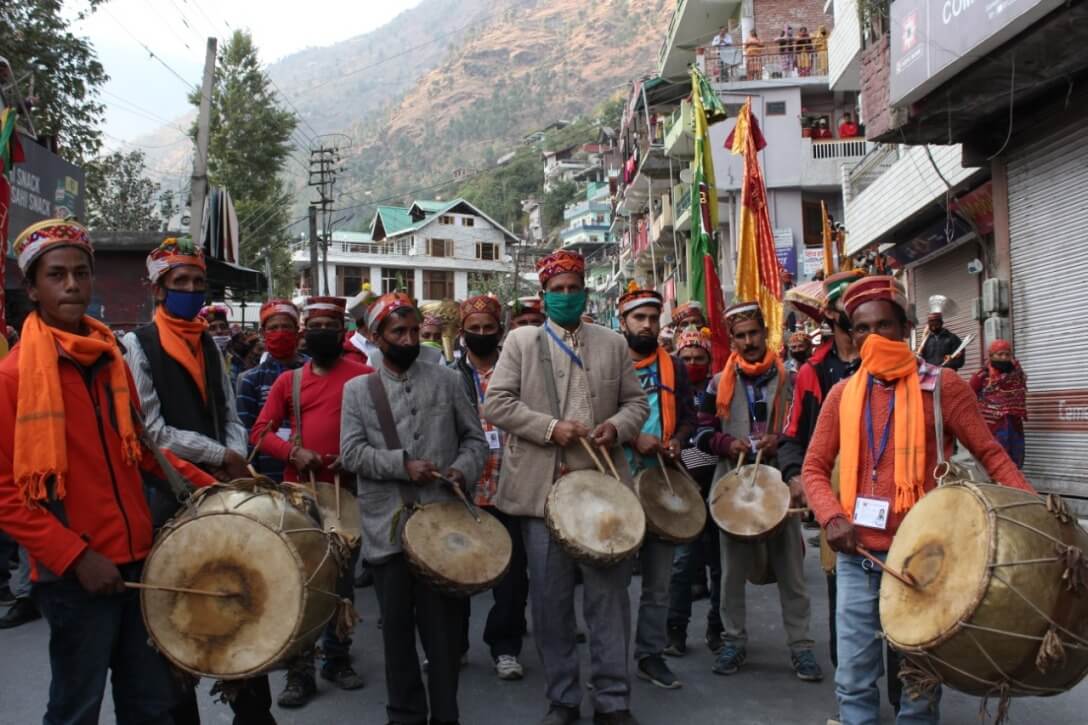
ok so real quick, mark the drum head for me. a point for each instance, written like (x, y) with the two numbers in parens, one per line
(750, 502)
(944, 544)
(460, 552)
(597, 514)
(674, 507)
(344, 518)
(218, 636)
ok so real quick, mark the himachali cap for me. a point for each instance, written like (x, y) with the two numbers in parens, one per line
(173, 252)
(800, 336)
(836, 284)
(486, 304)
(635, 298)
(385, 305)
(212, 313)
(743, 311)
(692, 336)
(358, 305)
(49, 234)
(688, 313)
(332, 307)
(560, 262)
(522, 305)
(881, 287)
(278, 306)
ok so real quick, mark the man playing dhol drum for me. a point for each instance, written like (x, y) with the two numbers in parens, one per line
(70, 486)
(879, 423)
(670, 424)
(585, 385)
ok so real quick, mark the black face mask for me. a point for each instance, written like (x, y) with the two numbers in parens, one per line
(642, 344)
(1004, 366)
(324, 346)
(842, 321)
(481, 345)
(799, 356)
(401, 355)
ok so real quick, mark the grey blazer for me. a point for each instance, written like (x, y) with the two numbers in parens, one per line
(435, 421)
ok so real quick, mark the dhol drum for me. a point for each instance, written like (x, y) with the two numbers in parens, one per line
(595, 518)
(263, 546)
(1000, 602)
(455, 552)
(750, 502)
(674, 507)
(339, 511)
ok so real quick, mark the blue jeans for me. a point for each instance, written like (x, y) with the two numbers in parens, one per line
(686, 568)
(861, 650)
(656, 558)
(92, 636)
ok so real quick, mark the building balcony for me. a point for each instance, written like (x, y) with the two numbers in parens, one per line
(822, 160)
(680, 133)
(682, 207)
(692, 20)
(661, 226)
(585, 234)
(729, 68)
(844, 47)
(572, 211)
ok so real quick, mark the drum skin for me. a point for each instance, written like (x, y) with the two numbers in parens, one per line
(595, 518)
(976, 620)
(252, 541)
(674, 507)
(456, 554)
(750, 503)
(349, 521)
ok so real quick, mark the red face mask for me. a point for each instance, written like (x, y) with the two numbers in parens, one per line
(281, 344)
(696, 371)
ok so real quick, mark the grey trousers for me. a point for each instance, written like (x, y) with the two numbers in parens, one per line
(653, 608)
(785, 553)
(20, 578)
(607, 612)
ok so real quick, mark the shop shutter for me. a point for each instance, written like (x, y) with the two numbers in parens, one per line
(947, 275)
(1048, 228)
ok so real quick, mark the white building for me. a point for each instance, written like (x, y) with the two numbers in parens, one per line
(435, 249)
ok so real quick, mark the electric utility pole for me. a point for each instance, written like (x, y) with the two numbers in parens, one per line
(200, 161)
(324, 165)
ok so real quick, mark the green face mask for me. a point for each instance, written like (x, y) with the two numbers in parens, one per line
(431, 343)
(564, 308)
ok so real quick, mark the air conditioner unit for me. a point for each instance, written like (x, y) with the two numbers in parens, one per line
(995, 297)
(976, 309)
(997, 328)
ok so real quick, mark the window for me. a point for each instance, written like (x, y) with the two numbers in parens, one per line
(776, 108)
(349, 280)
(467, 221)
(487, 250)
(445, 219)
(394, 279)
(812, 221)
(437, 284)
(440, 247)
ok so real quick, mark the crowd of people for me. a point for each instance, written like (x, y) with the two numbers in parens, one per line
(89, 425)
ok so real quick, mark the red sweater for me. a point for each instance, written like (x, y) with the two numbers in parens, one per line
(962, 421)
(105, 506)
(321, 399)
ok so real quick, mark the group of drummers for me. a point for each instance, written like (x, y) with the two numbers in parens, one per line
(492, 471)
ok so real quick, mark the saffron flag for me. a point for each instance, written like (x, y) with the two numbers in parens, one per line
(759, 276)
(829, 261)
(706, 287)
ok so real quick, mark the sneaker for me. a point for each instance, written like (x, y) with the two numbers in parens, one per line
(6, 597)
(24, 610)
(714, 641)
(678, 643)
(805, 667)
(507, 667)
(342, 675)
(619, 717)
(654, 670)
(299, 690)
(560, 715)
(729, 661)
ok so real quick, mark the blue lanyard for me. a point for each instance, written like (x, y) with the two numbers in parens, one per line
(749, 393)
(476, 379)
(563, 346)
(875, 453)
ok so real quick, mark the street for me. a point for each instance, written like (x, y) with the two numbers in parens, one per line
(765, 691)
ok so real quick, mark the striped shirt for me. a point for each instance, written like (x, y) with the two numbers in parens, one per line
(253, 387)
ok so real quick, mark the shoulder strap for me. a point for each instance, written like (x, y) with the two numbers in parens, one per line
(179, 487)
(296, 404)
(549, 371)
(938, 425)
(389, 428)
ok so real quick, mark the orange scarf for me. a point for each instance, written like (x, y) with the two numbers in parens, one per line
(886, 360)
(181, 341)
(667, 392)
(40, 448)
(727, 384)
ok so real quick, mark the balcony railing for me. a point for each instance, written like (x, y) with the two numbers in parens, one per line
(871, 167)
(845, 148)
(394, 249)
(731, 64)
(683, 203)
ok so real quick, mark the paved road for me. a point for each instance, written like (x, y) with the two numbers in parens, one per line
(764, 692)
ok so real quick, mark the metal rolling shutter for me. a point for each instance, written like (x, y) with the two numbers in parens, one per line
(947, 275)
(1048, 227)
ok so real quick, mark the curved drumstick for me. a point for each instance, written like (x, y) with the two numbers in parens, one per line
(336, 485)
(180, 590)
(313, 484)
(664, 470)
(902, 577)
(608, 459)
(593, 455)
(755, 469)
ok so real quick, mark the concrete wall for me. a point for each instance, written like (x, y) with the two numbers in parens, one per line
(780, 159)
(772, 15)
(844, 47)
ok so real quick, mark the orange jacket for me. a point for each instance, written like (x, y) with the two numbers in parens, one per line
(105, 508)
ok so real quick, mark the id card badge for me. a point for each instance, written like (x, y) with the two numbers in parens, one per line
(493, 439)
(872, 513)
(284, 434)
(753, 441)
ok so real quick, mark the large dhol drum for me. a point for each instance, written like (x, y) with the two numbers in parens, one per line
(453, 551)
(595, 518)
(750, 502)
(1000, 605)
(258, 542)
(674, 507)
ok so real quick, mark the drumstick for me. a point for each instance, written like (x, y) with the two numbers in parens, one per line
(661, 460)
(608, 459)
(459, 493)
(740, 461)
(180, 590)
(592, 454)
(336, 483)
(313, 484)
(902, 577)
(755, 469)
(802, 510)
(257, 447)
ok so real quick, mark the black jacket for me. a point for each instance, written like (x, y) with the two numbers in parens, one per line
(939, 345)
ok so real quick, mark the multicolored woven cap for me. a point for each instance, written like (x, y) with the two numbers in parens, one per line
(485, 304)
(278, 306)
(173, 252)
(636, 297)
(49, 234)
(836, 284)
(689, 313)
(692, 336)
(743, 311)
(215, 312)
(522, 305)
(386, 305)
(332, 307)
(869, 289)
(558, 262)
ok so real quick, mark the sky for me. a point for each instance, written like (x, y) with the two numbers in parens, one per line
(143, 94)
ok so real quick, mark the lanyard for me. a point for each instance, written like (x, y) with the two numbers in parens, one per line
(874, 453)
(476, 379)
(563, 346)
(749, 393)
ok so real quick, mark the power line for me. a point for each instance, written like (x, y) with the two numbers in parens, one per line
(150, 52)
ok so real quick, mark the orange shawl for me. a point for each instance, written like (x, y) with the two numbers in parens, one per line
(40, 448)
(181, 341)
(728, 382)
(887, 360)
(667, 393)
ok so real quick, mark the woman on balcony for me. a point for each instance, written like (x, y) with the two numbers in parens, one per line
(753, 49)
(803, 47)
(819, 50)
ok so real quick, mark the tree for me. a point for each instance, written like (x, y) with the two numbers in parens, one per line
(248, 147)
(119, 195)
(555, 200)
(59, 71)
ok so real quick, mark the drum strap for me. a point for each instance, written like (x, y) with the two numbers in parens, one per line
(389, 427)
(296, 405)
(549, 372)
(179, 488)
(938, 422)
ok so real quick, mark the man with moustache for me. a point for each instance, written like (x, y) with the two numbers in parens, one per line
(750, 397)
(665, 432)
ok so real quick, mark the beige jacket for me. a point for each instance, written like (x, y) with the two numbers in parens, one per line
(517, 402)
